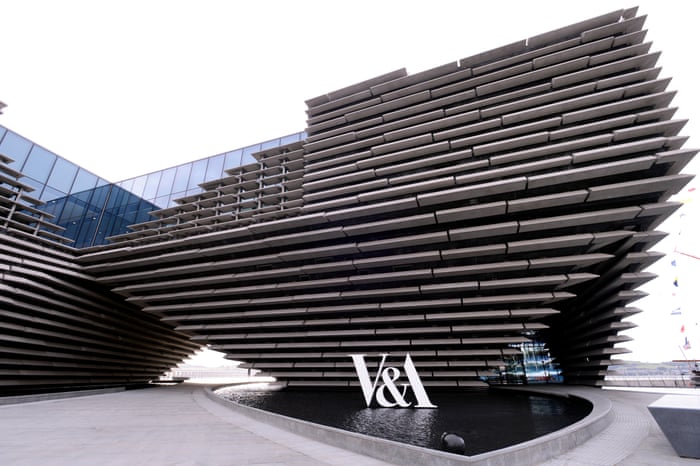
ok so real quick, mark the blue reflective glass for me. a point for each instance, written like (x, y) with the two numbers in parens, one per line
(15, 147)
(71, 230)
(97, 209)
(84, 181)
(49, 193)
(94, 202)
(54, 207)
(99, 196)
(166, 182)
(73, 210)
(39, 164)
(182, 176)
(151, 188)
(87, 199)
(62, 175)
(109, 226)
(116, 198)
(215, 167)
(36, 185)
(144, 211)
(87, 231)
(233, 159)
(199, 169)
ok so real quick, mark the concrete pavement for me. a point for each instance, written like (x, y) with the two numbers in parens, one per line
(632, 439)
(173, 425)
(180, 425)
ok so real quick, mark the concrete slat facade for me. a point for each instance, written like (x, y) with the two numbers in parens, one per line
(453, 214)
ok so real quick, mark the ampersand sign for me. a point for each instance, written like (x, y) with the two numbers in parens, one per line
(389, 376)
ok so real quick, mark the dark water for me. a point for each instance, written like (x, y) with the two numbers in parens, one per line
(487, 420)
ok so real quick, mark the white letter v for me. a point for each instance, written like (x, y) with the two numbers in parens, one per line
(361, 369)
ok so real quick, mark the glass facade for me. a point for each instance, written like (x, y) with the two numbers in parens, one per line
(91, 208)
(532, 365)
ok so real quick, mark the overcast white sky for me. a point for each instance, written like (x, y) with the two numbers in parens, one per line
(127, 87)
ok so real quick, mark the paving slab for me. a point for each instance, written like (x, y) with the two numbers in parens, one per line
(180, 425)
(632, 439)
(175, 425)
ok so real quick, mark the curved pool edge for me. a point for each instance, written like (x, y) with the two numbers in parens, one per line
(531, 452)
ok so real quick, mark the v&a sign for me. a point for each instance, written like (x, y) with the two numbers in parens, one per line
(387, 392)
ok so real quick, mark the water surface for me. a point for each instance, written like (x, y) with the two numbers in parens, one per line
(486, 420)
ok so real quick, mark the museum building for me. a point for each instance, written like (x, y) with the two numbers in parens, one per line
(472, 215)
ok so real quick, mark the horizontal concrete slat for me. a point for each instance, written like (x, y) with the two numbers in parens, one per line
(472, 192)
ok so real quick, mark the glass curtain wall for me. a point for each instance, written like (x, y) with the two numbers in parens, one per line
(91, 208)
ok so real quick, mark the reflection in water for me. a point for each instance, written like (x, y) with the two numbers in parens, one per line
(414, 426)
(486, 420)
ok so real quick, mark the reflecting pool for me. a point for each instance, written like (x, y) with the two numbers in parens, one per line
(486, 420)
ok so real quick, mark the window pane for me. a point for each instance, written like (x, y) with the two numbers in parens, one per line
(270, 144)
(38, 187)
(199, 168)
(247, 154)
(139, 184)
(233, 159)
(15, 147)
(182, 175)
(84, 181)
(166, 182)
(289, 139)
(177, 195)
(127, 184)
(50, 194)
(62, 175)
(117, 197)
(151, 187)
(54, 207)
(39, 164)
(87, 231)
(97, 198)
(215, 167)
(162, 201)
